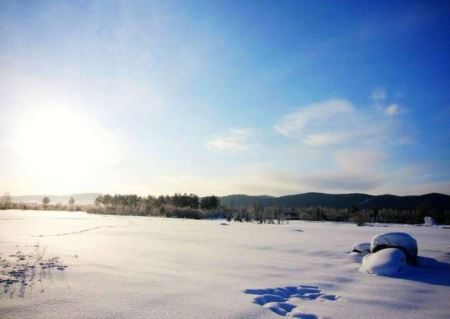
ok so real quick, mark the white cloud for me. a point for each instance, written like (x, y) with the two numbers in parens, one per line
(359, 160)
(354, 169)
(323, 139)
(236, 139)
(336, 122)
(332, 122)
(319, 124)
(392, 110)
(346, 170)
(294, 124)
(378, 95)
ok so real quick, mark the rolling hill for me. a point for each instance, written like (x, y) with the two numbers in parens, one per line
(433, 200)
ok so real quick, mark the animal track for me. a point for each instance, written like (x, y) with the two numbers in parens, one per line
(76, 232)
(284, 301)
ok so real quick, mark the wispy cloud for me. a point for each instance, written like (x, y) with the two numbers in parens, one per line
(392, 110)
(379, 98)
(315, 124)
(359, 159)
(323, 139)
(378, 95)
(349, 142)
(347, 170)
(235, 139)
(337, 122)
(295, 122)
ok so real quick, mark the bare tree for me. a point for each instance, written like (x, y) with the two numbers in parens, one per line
(5, 201)
(46, 201)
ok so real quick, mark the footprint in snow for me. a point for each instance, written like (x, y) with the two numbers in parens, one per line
(284, 301)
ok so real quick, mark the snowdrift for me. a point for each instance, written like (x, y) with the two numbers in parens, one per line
(386, 262)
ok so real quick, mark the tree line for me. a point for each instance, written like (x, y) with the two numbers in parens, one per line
(193, 206)
(6, 202)
(354, 214)
(177, 205)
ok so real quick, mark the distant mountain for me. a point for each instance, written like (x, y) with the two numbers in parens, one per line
(84, 198)
(433, 200)
(241, 199)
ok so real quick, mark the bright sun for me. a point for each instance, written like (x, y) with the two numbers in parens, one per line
(60, 149)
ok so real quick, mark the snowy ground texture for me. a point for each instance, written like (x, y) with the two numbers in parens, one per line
(75, 265)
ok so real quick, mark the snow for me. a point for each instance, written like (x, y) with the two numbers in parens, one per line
(141, 267)
(395, 239)
(386, 262)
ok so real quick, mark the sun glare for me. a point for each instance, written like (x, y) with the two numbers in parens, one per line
(58, 146)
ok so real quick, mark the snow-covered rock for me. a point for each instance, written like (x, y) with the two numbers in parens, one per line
(429, 221)
(389, 261)
(402, 241)
(361, 248)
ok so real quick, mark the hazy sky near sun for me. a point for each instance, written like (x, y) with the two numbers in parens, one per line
(256, 97)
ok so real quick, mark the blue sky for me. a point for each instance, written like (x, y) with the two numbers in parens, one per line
(256, 97)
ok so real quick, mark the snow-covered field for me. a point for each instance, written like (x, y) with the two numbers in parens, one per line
(140, 267)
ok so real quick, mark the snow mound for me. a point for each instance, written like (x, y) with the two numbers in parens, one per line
(429, 221)
(389, 261)
(402, 241)
(361, 248)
